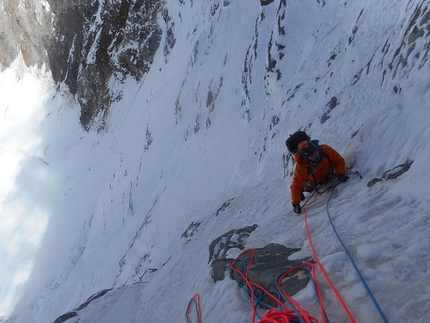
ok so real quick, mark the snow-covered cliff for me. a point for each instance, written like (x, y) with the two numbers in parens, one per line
(151, 128)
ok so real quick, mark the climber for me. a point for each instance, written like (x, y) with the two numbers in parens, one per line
(315, 165)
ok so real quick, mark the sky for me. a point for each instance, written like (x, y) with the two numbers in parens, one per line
(82, 212)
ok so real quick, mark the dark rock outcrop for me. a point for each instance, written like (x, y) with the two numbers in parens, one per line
(392, 173)
(235, 238)
(65, 317)
(268, 264)
(84, 44)
(97, 43)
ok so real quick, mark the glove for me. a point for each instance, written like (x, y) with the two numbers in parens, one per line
(342, 177)
(297, 208)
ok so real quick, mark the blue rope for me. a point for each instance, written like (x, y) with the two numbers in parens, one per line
(286, 299)
(315, 288)
(353, 263)
(259, 299)
(193, 300)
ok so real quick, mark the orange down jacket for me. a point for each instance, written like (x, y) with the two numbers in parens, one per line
(307, 175)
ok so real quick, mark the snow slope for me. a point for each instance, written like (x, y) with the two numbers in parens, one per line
(84, 212)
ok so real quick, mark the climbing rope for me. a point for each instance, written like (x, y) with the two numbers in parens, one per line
(336, 292)
(381, 313)
(369, 292)
(194, 303)
(312, 274)
(310, 268)
(322, 188)
(282, 314)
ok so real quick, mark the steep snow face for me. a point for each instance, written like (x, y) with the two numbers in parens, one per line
(206, 125)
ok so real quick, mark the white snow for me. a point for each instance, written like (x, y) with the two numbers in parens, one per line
(83, 212)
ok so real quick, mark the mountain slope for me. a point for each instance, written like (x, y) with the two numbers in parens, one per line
(207, 125)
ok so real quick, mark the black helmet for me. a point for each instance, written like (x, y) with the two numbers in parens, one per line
(294, 139)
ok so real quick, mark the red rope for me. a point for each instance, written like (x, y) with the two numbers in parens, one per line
(194, 303)
(314, 276)
(345, 307)
(273, 315)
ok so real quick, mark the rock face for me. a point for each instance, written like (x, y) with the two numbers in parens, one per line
(269, 262)
(74, 313)
(97, 42)
(84, 43)
(392, 173)
(25, 27)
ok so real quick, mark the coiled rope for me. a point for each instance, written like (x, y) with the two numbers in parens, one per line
(297, 314)
(194, 303)
(310, 268)
(283, 314)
